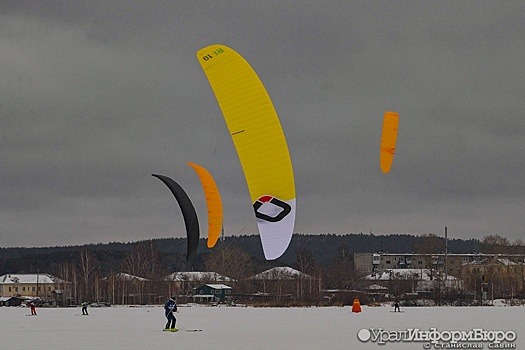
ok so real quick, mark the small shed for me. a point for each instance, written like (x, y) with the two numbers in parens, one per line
(212, 292)
(11, 301)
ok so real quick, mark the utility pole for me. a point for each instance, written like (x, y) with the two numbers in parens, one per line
(37, 272)
(446, 262)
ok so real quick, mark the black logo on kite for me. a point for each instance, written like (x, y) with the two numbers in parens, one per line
(286, 208)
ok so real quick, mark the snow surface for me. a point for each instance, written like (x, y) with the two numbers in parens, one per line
(240, 327)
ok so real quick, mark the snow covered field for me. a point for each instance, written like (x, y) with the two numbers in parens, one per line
(244, 327)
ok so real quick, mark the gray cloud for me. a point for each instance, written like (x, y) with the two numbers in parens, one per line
(96, 96)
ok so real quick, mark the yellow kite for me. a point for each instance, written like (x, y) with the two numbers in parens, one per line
(260, 143)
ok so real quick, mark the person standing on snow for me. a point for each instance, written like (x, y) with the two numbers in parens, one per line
(33, 308)
(396, 307)
(84, 308)
(169, 308)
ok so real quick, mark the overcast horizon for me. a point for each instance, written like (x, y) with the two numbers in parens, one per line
(97, 96)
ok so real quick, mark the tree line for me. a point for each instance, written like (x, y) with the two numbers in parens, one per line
(102, 271)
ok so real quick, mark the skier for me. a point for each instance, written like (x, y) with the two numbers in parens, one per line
(84, 308)
(169, 308)
(396, 307)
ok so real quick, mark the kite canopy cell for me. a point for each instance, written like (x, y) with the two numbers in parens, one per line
(260, 143)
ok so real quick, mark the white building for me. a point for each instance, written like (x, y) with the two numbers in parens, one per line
(41, 285)
(198, 276)
(281, 273)
(184, 282)
(422, 279)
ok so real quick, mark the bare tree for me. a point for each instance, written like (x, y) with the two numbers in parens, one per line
(233, 262)
(87, 264)
(305, 261)
(518, 246)
(111, 287)
(74, 281)
(65, 271)
(144, 264)
(430, 243)
(230, 261)
(341, 273)
(496, 244)
(143, 260)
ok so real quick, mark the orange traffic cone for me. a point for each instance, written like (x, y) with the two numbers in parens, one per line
(356, 306)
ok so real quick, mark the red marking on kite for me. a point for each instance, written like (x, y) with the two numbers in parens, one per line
(264, 199)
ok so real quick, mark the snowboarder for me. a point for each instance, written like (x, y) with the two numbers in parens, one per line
(396, 307)
(169, 308)
(84, 308)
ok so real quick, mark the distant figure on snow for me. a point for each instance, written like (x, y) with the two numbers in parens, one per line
(396, 307)
(84, 308)
(33, 308)
(169, 308)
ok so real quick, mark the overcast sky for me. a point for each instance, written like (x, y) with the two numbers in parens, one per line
(97, 95)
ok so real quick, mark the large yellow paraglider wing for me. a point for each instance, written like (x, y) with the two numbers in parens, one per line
(260, 143)
(388, 140)
(213, 202)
